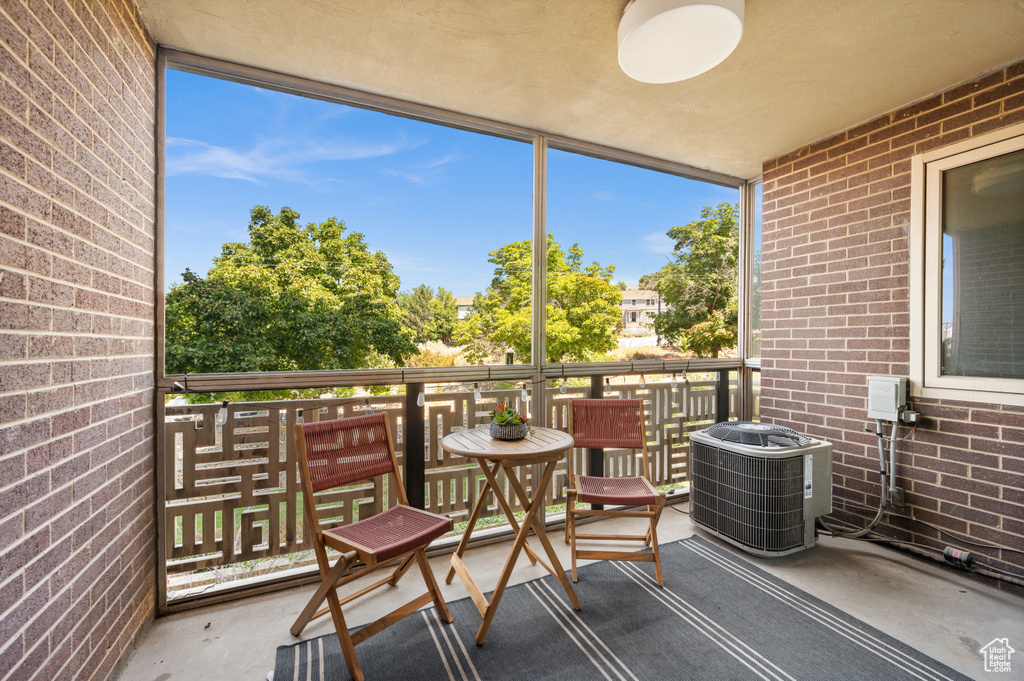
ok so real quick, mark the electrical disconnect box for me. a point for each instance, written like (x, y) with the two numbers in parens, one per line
(887, 395)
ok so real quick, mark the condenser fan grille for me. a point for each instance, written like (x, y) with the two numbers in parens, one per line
(756, 434)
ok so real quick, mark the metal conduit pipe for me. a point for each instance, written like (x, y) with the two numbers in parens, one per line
(892, 456)
(883, 495)
(936, 555)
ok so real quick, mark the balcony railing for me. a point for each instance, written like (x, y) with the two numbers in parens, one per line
(231, 502)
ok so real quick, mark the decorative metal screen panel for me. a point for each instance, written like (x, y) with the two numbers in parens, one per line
(758, 502)
(232, 494)
(232, 491)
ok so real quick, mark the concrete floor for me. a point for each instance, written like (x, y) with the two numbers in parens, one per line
(926, 605)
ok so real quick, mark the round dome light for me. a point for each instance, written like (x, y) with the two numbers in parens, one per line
(664, 41)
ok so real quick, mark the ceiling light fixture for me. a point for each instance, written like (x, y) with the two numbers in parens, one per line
(1001, 176)
(664, 41)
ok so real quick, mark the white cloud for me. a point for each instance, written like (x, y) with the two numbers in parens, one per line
(444, 160)
(415, 178)
(277, 159)
(604, 196)
(658, 242)
(428, 173)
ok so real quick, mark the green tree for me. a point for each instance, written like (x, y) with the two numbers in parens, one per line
(444, 315)
(699, 285)
(293, 298)
(416, 311)
(582, 307)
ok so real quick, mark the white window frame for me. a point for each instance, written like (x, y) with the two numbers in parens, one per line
(926, 272)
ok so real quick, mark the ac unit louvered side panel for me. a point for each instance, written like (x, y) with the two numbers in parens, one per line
(757, 502)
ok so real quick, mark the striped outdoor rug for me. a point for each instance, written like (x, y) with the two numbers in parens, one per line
(718, 617)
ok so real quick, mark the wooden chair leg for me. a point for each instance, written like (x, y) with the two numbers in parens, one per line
(348, 649)
(649, 537)
(568, 518)
(403, 567)
(570, 504)
(428, 576)
(658, 508)
(329, 577)
(572, 545)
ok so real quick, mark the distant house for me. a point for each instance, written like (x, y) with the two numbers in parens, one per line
(639, 307)
(463, 303)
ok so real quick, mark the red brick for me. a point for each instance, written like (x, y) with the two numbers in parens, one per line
(25, 139)
(24, 317)
(959, 445)
(969, 89)
(869, 127)
(1006, 89)
(970, 117)
(918, 108)
(52, 172)
(998, 122)
(29, 200)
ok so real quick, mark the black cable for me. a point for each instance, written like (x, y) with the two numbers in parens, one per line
(899, 542)
(1003, 572)
(852, 504)
(848, 504)
(966, 541)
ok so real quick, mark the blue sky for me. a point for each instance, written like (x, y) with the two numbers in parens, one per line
(434, 199)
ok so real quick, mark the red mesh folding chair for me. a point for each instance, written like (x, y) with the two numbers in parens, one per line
(618, 424)
(342, 452)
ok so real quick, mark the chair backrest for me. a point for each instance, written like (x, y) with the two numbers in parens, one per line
(611, 424)
(344, 451)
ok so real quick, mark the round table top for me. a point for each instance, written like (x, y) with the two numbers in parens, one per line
(542, 444)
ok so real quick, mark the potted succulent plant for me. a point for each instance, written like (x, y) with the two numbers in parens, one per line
(507, 423)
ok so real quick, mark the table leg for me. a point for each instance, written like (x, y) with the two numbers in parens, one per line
(492, 479)
(538, 527)
(473, 517)
(499, 589)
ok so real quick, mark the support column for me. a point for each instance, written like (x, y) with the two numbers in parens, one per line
(595, 457)
(722, 413)
(414, 445)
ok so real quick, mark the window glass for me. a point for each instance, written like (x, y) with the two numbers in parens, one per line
(303, 234)
(982, 332)
(755, 279)
(611, 247)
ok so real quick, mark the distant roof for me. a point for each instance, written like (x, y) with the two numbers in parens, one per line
(463, 300)
(635, 293)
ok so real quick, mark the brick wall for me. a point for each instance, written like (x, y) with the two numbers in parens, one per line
(77, 93)
(835, 310)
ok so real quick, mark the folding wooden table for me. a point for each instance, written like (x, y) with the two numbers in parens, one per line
(541, 446)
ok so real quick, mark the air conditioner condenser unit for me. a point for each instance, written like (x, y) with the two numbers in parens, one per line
(759, 486)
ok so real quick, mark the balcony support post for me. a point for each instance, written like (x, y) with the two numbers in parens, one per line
(414, 446)
(722, 412)
(595, 463)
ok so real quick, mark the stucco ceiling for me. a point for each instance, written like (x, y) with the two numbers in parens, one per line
(804, 69)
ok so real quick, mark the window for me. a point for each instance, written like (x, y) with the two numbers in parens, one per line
(413, 227)
(608, 225)
(755, 279)
(428, 217)
(967, 288)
